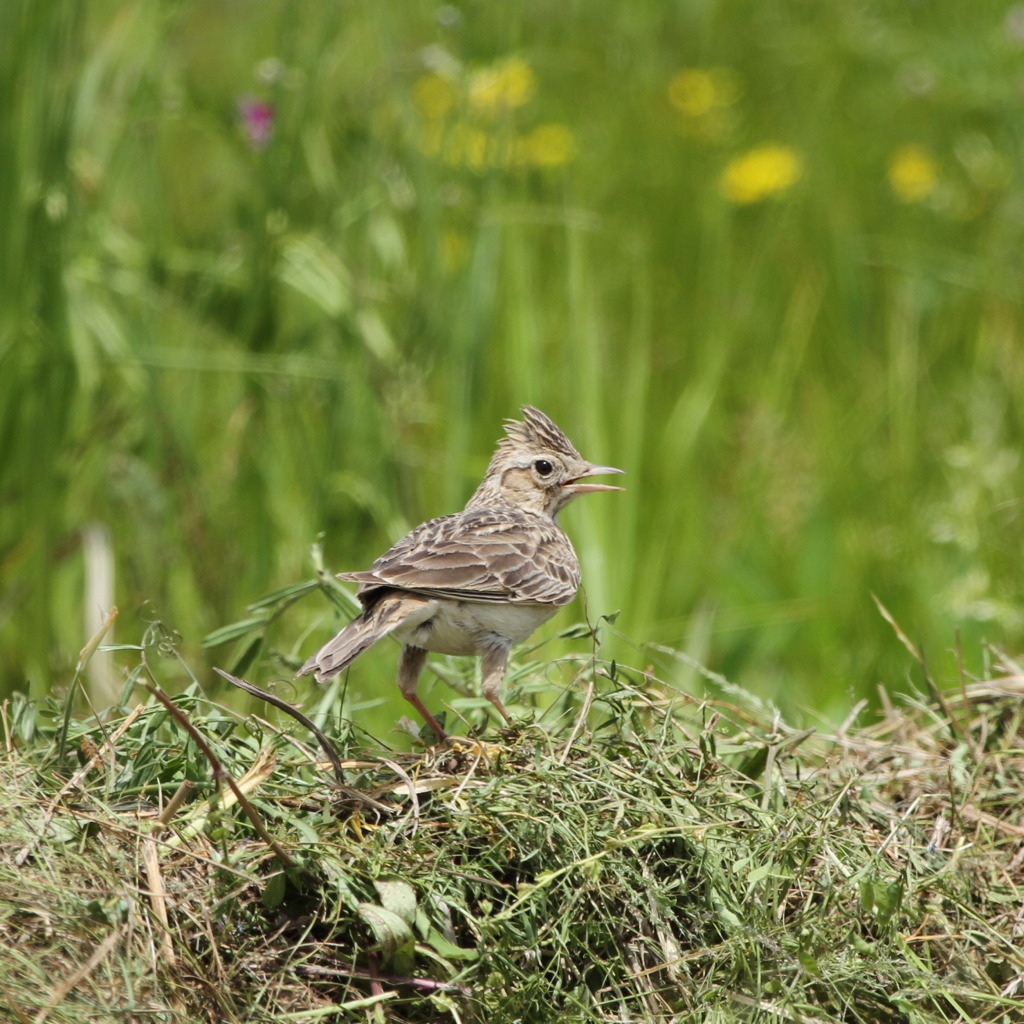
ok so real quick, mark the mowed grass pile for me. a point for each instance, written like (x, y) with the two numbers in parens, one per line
(644, 857)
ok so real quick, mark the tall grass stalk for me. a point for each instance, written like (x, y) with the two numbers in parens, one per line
(39, 62)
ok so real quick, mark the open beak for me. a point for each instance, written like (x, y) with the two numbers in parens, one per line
(578, 488)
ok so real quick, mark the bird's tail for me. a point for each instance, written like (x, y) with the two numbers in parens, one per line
(361, 634)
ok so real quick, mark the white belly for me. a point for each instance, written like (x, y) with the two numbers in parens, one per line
(463, 627)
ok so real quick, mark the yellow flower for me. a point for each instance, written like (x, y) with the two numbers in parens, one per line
(760, 173)
(696, 92)
(462, 121)
(548, 145)
(913, 173)
(435, 95)
(502, 87)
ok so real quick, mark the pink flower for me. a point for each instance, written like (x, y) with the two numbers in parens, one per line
(257, 120)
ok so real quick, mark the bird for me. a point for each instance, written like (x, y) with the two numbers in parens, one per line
(479, 581)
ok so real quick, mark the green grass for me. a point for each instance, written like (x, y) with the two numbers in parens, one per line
(211, 355)
(640, 856)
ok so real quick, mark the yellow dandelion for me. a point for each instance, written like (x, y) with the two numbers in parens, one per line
(913, 173)
(434, 95)
(696, 92)
(504, 86)
(760, 173)
(548, 145)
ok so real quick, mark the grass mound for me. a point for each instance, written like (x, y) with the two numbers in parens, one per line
(652, 858)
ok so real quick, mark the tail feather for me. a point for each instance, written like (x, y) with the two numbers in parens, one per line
(361, 634)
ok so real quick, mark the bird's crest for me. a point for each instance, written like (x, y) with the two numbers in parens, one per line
(537, 429)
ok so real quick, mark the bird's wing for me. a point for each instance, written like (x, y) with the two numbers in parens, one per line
(480, 555)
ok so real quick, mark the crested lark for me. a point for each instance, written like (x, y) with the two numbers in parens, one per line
(479, 581)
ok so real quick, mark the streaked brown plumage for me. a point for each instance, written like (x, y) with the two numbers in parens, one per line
(482, 580)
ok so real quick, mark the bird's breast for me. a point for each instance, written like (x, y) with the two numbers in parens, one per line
(466, 627)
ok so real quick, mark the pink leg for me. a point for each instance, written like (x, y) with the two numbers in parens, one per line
(409, 668)
(494, 662)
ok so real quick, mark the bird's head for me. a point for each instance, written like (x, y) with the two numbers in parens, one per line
(537, 468)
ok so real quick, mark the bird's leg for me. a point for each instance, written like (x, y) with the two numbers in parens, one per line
(409, 668)
(494, 660)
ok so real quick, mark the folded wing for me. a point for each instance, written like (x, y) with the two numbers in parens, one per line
(480, 555)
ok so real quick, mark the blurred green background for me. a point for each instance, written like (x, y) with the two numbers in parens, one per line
(270, 269)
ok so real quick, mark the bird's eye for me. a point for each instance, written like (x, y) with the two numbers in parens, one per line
(543, 467)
